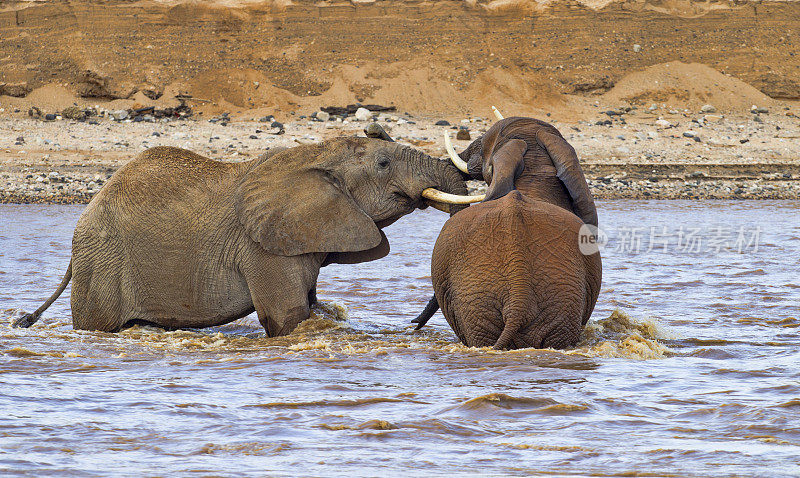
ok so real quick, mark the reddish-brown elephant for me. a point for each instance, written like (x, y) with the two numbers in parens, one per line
(509, 272)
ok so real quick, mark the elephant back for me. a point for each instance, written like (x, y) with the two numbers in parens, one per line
(164, 176)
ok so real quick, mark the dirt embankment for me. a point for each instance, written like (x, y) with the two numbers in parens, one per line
(657, 96)
(444, 57)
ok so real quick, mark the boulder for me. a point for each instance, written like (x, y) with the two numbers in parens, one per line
(363, 114)
(119, 115)
(74, 113)
(777, 86)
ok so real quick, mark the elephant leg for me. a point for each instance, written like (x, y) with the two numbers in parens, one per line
(594, 274)
(282, 320)
(282, 290)
(104, 287)
(279, 311)
(476, 320)
(96, 299)
(561, 337)
(556, 325)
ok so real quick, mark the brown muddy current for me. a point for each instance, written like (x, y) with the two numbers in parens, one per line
(689, 367)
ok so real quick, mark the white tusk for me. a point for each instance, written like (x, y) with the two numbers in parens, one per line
(447, 198)
(437, 205)
(497, 113)
(460, 164)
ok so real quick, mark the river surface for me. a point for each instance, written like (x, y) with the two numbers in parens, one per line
(689, 367)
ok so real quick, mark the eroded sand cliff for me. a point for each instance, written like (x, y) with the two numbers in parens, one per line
(442, 57)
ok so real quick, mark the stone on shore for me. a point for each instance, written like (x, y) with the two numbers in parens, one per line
(119, 115)
(74, 113)
(363, 114)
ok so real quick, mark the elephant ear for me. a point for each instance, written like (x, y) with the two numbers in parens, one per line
(507, 164)
(302, 211)
(569, 171)
(378, 252)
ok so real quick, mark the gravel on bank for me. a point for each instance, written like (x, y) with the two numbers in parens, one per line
(648, 153)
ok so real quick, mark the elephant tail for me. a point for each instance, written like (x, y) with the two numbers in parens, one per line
(29, 319)
(514, 317)
(425, 315)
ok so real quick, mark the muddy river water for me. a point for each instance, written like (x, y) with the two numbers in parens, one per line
(689, 367)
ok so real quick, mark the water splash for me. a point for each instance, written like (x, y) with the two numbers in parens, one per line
(620, 336)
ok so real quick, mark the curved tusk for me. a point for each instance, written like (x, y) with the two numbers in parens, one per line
(497, 113)
(447, 198)
(437, 205)
(460, 164)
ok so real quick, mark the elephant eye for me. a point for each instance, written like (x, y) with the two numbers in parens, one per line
(383, 163)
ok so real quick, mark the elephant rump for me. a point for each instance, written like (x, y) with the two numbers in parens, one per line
(509, 274)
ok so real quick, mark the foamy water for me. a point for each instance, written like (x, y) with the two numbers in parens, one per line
(689, 367)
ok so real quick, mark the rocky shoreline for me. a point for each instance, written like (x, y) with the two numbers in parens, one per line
(42, 187)
(625, 153)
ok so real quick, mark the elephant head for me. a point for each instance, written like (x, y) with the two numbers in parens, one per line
(445, 202)
(497, 157)
(335, 196)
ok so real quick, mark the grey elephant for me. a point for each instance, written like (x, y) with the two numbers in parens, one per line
(510, 272)
(178, 240)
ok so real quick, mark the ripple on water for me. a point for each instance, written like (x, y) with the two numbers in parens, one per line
(751, 272)
(244, 448)
(362, 402)
(708, 388)
(433, 428)
(712, 353)
(790, 404)
(377, 425)
(501, 404)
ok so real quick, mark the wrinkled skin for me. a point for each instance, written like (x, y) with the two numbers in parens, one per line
(178, 240)
(508, 272)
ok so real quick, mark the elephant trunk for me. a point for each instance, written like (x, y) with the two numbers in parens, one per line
(458, 183)
(448, 179)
